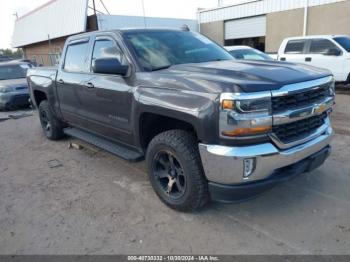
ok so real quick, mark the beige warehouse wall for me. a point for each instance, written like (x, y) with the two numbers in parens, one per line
(214, 30)
(329, 19)
(324, 19)
(39, 52)
(280, 25)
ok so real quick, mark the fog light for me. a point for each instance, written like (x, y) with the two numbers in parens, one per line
(248, 167)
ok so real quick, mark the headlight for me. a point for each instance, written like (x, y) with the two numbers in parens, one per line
(248, 105)
(245, 114)
(5, 89)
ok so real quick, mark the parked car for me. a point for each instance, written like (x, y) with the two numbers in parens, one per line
(13, 85)
(209, 126)
(247, 53)
(331, 52)
(4, 58)
(29, 62)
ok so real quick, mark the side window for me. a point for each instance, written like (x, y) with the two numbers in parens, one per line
(76, 55)
(295, 47)
(106, 48)
(321, 46)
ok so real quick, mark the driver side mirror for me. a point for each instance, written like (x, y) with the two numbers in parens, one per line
(109, 66)
(333, 52)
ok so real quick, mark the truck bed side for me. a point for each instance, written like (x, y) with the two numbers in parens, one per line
(42, 85)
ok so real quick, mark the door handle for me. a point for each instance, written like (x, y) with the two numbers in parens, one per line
(308, 59)
(283, 59)
(89, 85)
(60, 81)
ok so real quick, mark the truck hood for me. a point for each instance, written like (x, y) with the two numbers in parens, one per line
(248, 75)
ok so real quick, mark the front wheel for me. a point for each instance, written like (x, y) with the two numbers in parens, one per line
(51, 126)
(175, 170)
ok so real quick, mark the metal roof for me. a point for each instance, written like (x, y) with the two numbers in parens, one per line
(111, 22)
(54, 19)
(249, 8)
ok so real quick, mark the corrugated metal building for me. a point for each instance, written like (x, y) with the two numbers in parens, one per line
(42, 32)
(265, 23)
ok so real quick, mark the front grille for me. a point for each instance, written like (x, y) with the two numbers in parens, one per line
(283, 103)
(297, 130)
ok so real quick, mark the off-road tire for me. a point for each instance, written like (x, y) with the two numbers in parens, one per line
(52, 127)
(184, 147)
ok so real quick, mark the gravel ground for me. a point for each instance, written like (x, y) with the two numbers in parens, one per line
(55, 200)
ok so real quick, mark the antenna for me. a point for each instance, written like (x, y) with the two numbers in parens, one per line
(144, 13)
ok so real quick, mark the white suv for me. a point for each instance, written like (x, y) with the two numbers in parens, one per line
(325, 51)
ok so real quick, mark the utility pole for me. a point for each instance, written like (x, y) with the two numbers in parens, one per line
(306, 10)
(94, 6)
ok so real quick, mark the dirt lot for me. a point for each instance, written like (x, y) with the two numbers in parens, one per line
(55, 200)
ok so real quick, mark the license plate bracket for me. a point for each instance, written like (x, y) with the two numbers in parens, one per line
(318, 159)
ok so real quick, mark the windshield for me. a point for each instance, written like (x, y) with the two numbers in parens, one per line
(344, 41)
(160, 49)
(249, 54)
(13, 71)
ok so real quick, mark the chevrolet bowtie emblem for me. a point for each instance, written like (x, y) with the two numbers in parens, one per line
(320, 108)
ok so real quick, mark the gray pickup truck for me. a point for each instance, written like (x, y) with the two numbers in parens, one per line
(209, 126)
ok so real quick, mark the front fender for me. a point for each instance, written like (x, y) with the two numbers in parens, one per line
(198, 109)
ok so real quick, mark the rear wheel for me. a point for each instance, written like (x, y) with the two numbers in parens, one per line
(176, 172)
(51, 126)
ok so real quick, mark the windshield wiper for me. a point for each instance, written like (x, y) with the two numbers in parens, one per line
(161, 67)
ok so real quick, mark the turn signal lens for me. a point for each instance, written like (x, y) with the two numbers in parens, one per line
(228, 104)
(247, 131)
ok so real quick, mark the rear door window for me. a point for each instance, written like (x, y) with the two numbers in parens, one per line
(321, 46)
(295, 47)
(76, 57)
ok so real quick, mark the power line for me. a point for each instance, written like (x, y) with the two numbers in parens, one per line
(104, 7)
(96, 10)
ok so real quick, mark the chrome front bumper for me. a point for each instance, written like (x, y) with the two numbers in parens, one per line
(224, 165)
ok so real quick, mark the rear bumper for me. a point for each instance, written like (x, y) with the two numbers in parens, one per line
(223, 165)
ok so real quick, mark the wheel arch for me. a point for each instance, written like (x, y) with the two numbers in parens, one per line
(151, 124)
(39, 96)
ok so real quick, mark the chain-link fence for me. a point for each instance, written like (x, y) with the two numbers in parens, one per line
(45, 59)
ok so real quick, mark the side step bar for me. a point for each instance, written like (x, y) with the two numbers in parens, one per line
(116, 149)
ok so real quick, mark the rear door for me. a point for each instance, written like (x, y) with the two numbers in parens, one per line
(106, 103)
(317, 56)
(71, 78)
(294, 51)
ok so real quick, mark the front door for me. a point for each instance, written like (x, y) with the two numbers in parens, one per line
(106, 101)
(316, 56)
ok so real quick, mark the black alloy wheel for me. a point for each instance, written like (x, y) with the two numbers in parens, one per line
(169, 174)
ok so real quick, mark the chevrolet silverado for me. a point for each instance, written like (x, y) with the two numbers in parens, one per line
(209, 126)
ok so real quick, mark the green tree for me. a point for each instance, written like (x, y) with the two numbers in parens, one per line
(17, 53)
